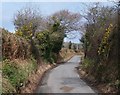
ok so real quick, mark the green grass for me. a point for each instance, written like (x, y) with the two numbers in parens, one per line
(14, 74)
(87, 63)
(17, 75)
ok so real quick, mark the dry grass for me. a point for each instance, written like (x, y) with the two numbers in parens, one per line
(65, 54)
(16, 76)
(100, 87)
(33, 79)
(7, 87)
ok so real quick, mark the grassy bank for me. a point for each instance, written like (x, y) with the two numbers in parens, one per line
(15, 73)
(22, 76)
(18, 62)
(21, 65)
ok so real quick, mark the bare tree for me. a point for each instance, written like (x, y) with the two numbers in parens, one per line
(28, 17)
(68, 21)
(98, 18)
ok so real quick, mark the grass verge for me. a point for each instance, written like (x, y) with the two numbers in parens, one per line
(15, 73)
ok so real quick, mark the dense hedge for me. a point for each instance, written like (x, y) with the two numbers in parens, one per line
(101, 47)
(14, 46)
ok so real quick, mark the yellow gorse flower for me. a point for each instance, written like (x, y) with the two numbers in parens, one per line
(104, 44)
(111, 25)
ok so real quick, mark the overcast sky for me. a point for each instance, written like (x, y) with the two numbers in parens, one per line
(8, 9)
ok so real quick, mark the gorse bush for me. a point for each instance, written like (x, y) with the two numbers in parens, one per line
(101, 44)
(27, 31)
(104, 47)
(35, 36)
(45, 34)
(27, 21)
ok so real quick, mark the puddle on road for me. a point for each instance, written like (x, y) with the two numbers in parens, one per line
(67, 88)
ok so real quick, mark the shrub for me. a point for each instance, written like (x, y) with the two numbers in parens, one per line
(14, 46)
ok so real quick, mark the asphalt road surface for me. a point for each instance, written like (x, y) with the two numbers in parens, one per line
(64, 79)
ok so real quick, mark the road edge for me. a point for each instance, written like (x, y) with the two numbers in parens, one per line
(48, 70)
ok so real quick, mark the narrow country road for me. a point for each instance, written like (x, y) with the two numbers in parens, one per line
(64, 79)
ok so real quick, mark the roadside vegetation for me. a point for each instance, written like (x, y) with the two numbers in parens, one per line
(37, 40)
(101, 47)
(18, 62)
